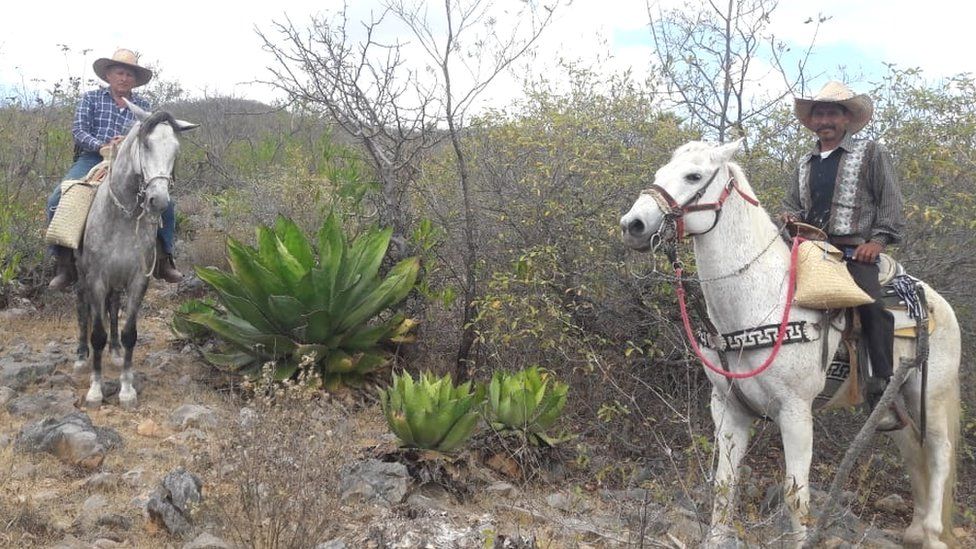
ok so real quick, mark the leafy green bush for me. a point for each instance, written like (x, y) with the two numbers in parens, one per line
(432, 413)
(284, 307)
(524, 402)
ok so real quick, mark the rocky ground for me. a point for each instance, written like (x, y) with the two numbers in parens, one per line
(199, 465)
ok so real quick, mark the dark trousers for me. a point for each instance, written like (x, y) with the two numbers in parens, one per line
(877, 324)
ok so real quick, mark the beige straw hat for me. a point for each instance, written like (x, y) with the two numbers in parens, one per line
(126, 58)
(860, 106)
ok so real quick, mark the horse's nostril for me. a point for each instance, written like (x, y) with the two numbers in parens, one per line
(635, 227)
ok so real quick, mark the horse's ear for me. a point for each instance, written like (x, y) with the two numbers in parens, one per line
(141, 115)
(724, 152)
(183, 125)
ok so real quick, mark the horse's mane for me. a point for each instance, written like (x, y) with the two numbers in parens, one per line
(154, 120)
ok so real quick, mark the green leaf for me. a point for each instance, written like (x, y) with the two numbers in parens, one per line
(294, 241)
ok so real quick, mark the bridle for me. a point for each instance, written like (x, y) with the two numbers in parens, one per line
(675, 212)
(143, 185)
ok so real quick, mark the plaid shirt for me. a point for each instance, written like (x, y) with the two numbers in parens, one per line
(99, 119)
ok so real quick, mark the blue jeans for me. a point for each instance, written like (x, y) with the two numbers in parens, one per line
(88, 160)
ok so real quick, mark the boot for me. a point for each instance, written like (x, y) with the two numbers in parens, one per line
(65, 264)
(166, 269)
(894, 418)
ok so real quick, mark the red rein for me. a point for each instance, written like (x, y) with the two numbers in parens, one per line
(780, 334)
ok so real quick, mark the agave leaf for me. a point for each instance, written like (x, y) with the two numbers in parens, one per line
(221, 281)
(255, 278)
(359, 276)
(293, 240)
(339, 362)
(394, 288)
(318, 326)
(458, 434)
(285, 371)
(246, 309)
(320, 352)
(287, 312)
(332, 249)
(290, 269)
(368, 336)
(239, 332)
(231, 362)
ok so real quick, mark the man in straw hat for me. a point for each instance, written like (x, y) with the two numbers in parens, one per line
(848, 188)
(102, 119)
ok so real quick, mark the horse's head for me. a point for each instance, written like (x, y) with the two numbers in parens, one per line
(686, 189)
(152, 148)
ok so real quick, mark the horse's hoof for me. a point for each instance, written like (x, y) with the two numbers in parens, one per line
(93, 404)
(79, 365)
(129, 404)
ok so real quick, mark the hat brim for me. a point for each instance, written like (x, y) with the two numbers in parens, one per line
(142, 74)
(860, 107)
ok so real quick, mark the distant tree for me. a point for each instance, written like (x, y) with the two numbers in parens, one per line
(723, 66)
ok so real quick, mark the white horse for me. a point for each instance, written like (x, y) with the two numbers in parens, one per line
(743, 266)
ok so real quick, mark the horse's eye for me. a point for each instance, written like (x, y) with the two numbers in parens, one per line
(693, 177)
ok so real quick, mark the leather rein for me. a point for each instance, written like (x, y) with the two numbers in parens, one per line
(675, 212)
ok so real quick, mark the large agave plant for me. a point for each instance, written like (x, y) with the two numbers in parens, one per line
(525, 402)
(431, 413)
(283, 306)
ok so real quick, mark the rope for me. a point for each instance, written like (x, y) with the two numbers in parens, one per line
(780, 334)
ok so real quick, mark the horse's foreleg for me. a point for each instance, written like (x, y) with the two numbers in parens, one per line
(732, 426)
(796, 427)
(935, 479)
(98, 338)
(84, 314)
(115, 348)
(128, 398)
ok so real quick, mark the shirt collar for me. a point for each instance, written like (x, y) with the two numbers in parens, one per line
(847, 143)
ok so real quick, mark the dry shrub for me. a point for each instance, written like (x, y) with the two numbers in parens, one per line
(277, 483)
(207, 249)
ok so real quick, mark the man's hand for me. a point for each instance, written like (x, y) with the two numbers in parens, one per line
(114, 141)
(787, 218)
(868, 252)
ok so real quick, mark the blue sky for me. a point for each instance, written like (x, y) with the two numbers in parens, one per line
(211, 50)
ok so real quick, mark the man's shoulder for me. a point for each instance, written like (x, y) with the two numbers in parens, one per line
(141, 101)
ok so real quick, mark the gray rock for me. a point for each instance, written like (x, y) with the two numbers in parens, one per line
(4, 441)
(560, 501)
(206, 541)
(20, 351)
(171, 505)
(503, 489)
(102, 482)
(192, 415)
(374, 480)
(71, 542)
(90, 511)
(114, 521)
(72, 438)
(133, 477)
(18, 374)
(893, 504)
(337, 543)
(6, 395)
(53, 402)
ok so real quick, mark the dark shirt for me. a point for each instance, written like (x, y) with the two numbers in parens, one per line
(823, 173)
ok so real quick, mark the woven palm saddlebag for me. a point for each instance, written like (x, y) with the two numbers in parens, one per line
(68, 224)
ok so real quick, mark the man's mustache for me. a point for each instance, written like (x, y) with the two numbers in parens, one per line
(820, 128)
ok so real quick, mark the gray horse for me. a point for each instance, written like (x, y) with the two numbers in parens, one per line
(119, 247)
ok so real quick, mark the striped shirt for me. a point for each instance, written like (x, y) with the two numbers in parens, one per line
(874, 211)
(98, 119)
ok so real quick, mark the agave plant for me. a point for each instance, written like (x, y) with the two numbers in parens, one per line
(524, 402)
(184, 328)
(431, 413)
(283, 306)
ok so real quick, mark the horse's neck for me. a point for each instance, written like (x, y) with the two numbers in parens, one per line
(742, 264)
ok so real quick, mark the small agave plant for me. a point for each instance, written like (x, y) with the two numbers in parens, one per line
(525, 402)
(431, 413)
(288, 302)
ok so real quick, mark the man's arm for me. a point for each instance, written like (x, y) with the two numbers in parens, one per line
(791, 209)
(83, 122)
(889, 219)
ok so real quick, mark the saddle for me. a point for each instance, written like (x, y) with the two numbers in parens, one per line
(848, 367)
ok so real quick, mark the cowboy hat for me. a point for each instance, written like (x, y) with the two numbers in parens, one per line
(860, 106)
(126, 58)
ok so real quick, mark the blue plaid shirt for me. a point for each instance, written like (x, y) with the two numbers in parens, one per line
(99, 119)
